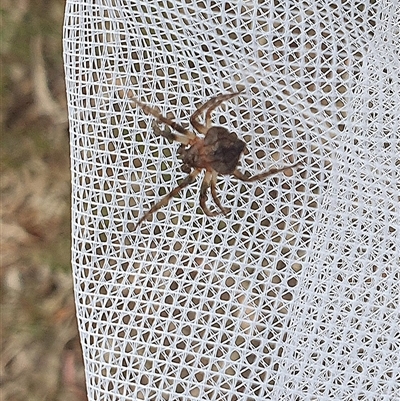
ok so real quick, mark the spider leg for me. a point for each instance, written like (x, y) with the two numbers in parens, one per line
(203, 194)
(223, 209)
(209, 106)
(220, 99)
(164, 201)
(185, 135)
(167, 133)
(258, 177)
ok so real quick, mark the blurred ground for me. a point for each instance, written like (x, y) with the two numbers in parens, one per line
(40, 351)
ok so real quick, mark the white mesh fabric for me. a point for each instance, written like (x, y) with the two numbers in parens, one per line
(294, 295)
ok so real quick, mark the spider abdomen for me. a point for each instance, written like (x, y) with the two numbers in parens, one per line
(223, 149)
(220, 150)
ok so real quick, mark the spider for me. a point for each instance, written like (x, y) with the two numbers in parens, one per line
(217, 152)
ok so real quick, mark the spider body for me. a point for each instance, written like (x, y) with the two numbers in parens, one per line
(217, 152)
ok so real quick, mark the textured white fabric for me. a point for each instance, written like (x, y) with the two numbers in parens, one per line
(294, 295)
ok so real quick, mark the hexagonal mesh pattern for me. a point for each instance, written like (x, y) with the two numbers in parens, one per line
(294, 294)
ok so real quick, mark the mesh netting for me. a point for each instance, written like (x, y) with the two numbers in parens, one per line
(294, 294)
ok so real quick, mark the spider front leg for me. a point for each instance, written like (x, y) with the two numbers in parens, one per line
(164, 201)
(209, 107)
(185, 136)
(168, 134)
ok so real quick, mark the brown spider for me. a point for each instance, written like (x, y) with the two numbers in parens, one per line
(218, 152)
